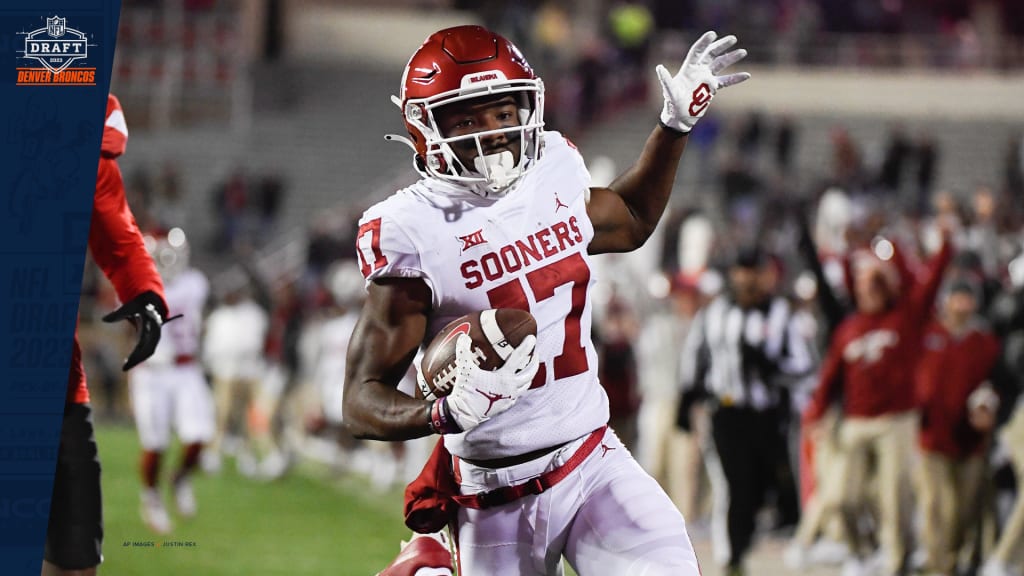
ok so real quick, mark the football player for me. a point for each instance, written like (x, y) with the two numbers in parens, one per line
(171, 389)
(74, 537)
(505, 217)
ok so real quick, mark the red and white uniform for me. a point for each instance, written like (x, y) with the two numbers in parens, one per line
(525, 250)
(528, 250)
(114, 238)
(169, 389)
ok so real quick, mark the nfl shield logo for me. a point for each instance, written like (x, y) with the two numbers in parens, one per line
(55, 26)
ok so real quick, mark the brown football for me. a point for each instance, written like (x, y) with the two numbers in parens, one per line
(494, 332)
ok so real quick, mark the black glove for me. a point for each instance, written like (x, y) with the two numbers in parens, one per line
(147, 312)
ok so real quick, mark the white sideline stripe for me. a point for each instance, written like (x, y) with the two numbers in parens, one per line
(489, 324)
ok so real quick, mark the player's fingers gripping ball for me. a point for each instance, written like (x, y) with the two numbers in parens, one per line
(688, 94)
(480, 394)
(479, 365)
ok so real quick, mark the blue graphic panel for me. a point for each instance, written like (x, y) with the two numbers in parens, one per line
(55, 62)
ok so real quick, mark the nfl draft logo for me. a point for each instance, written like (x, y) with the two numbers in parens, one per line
(56, 48)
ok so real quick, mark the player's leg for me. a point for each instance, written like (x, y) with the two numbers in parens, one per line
(510, 540)
(625, 523)
(74, 537)
(526, 536)
(151, 406)
(194, 424)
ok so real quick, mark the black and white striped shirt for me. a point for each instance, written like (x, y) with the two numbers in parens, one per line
(741, 356)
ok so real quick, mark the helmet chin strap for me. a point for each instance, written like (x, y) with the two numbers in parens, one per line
(499, 169)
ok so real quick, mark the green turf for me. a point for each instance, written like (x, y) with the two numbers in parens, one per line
(306, 523)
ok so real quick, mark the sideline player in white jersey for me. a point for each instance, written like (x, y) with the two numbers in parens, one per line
(170, 390)
(505, 217)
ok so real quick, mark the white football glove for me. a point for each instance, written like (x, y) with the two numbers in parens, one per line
(478, 395)
(688, 94)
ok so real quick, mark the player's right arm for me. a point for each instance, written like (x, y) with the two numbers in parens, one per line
(392, 325)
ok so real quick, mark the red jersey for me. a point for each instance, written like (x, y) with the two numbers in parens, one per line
(871, 359)
(114, 238)
(951, 368)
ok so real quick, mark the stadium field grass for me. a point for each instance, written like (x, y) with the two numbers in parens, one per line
(307, 523)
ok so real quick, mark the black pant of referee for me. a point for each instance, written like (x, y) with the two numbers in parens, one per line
(750, 450)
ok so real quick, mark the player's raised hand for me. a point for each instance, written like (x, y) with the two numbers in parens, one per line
(688, 94)
(147, 313)
(478, 395)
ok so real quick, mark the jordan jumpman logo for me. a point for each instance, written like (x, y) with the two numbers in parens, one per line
(559, 203)
(605, 449)
(492, 398)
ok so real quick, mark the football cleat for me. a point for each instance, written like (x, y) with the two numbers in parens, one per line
(154, 514)
(185, 498)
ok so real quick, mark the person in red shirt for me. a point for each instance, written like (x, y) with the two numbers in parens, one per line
(75, 534)
(958, 408)
(869, 366)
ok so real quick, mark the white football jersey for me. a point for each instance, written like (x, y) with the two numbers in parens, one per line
(527, 250)
(185, 294)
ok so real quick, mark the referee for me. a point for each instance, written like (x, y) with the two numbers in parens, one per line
(741, 350)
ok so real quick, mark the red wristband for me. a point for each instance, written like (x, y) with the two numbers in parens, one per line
(441, 421)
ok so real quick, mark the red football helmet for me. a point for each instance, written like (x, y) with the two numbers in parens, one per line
(459, 64)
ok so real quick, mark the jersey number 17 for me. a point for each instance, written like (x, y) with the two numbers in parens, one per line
(543, 282)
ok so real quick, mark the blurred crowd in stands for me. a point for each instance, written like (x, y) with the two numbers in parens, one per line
(247, 205)
(575, 48)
